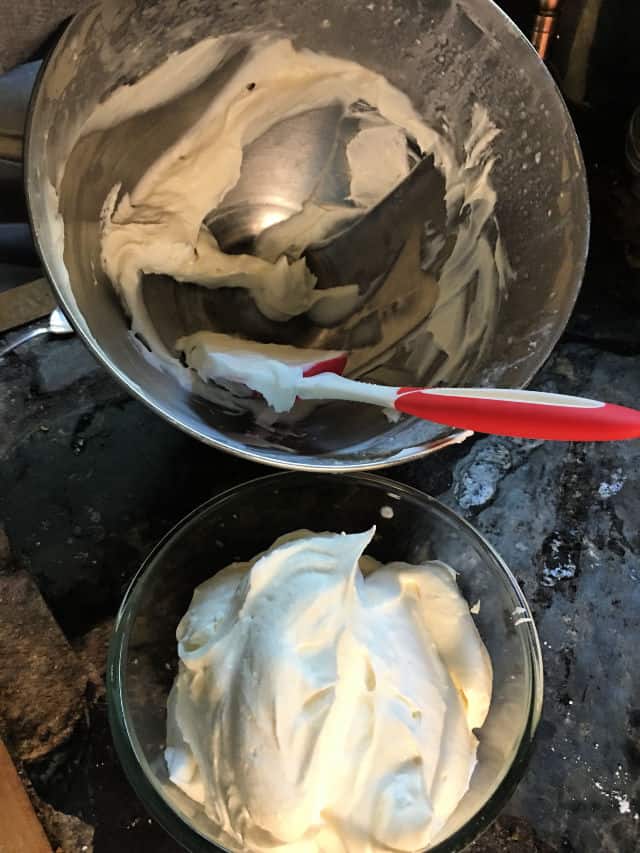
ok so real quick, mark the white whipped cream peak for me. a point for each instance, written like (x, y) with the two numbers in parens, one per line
(325, 701)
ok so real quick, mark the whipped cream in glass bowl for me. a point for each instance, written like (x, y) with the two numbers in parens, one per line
(501, 693)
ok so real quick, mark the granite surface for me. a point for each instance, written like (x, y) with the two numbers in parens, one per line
(90, 480)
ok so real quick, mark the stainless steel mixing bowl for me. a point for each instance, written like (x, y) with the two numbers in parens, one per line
(446, 55)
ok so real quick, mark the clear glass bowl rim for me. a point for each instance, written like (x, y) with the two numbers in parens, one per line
(122, 730)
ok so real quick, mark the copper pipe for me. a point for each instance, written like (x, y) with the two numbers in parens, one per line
(544, 26)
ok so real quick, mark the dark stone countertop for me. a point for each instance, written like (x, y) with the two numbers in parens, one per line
(90, 480)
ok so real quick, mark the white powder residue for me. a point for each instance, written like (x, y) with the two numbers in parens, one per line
(624, 806)
(616, 796)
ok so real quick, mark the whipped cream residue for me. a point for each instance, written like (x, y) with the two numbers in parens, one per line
(325, 702)
(158, 226)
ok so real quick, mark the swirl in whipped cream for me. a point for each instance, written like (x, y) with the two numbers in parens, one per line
(325, 702)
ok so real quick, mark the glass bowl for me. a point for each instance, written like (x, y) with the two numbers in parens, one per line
(245, 520)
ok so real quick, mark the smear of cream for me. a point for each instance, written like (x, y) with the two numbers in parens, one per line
(157, 226)
(379, 161)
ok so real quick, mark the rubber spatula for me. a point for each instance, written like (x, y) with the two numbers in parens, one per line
(516, 413)
(315, 375)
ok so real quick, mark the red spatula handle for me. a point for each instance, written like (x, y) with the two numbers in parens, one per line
(522, 414)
